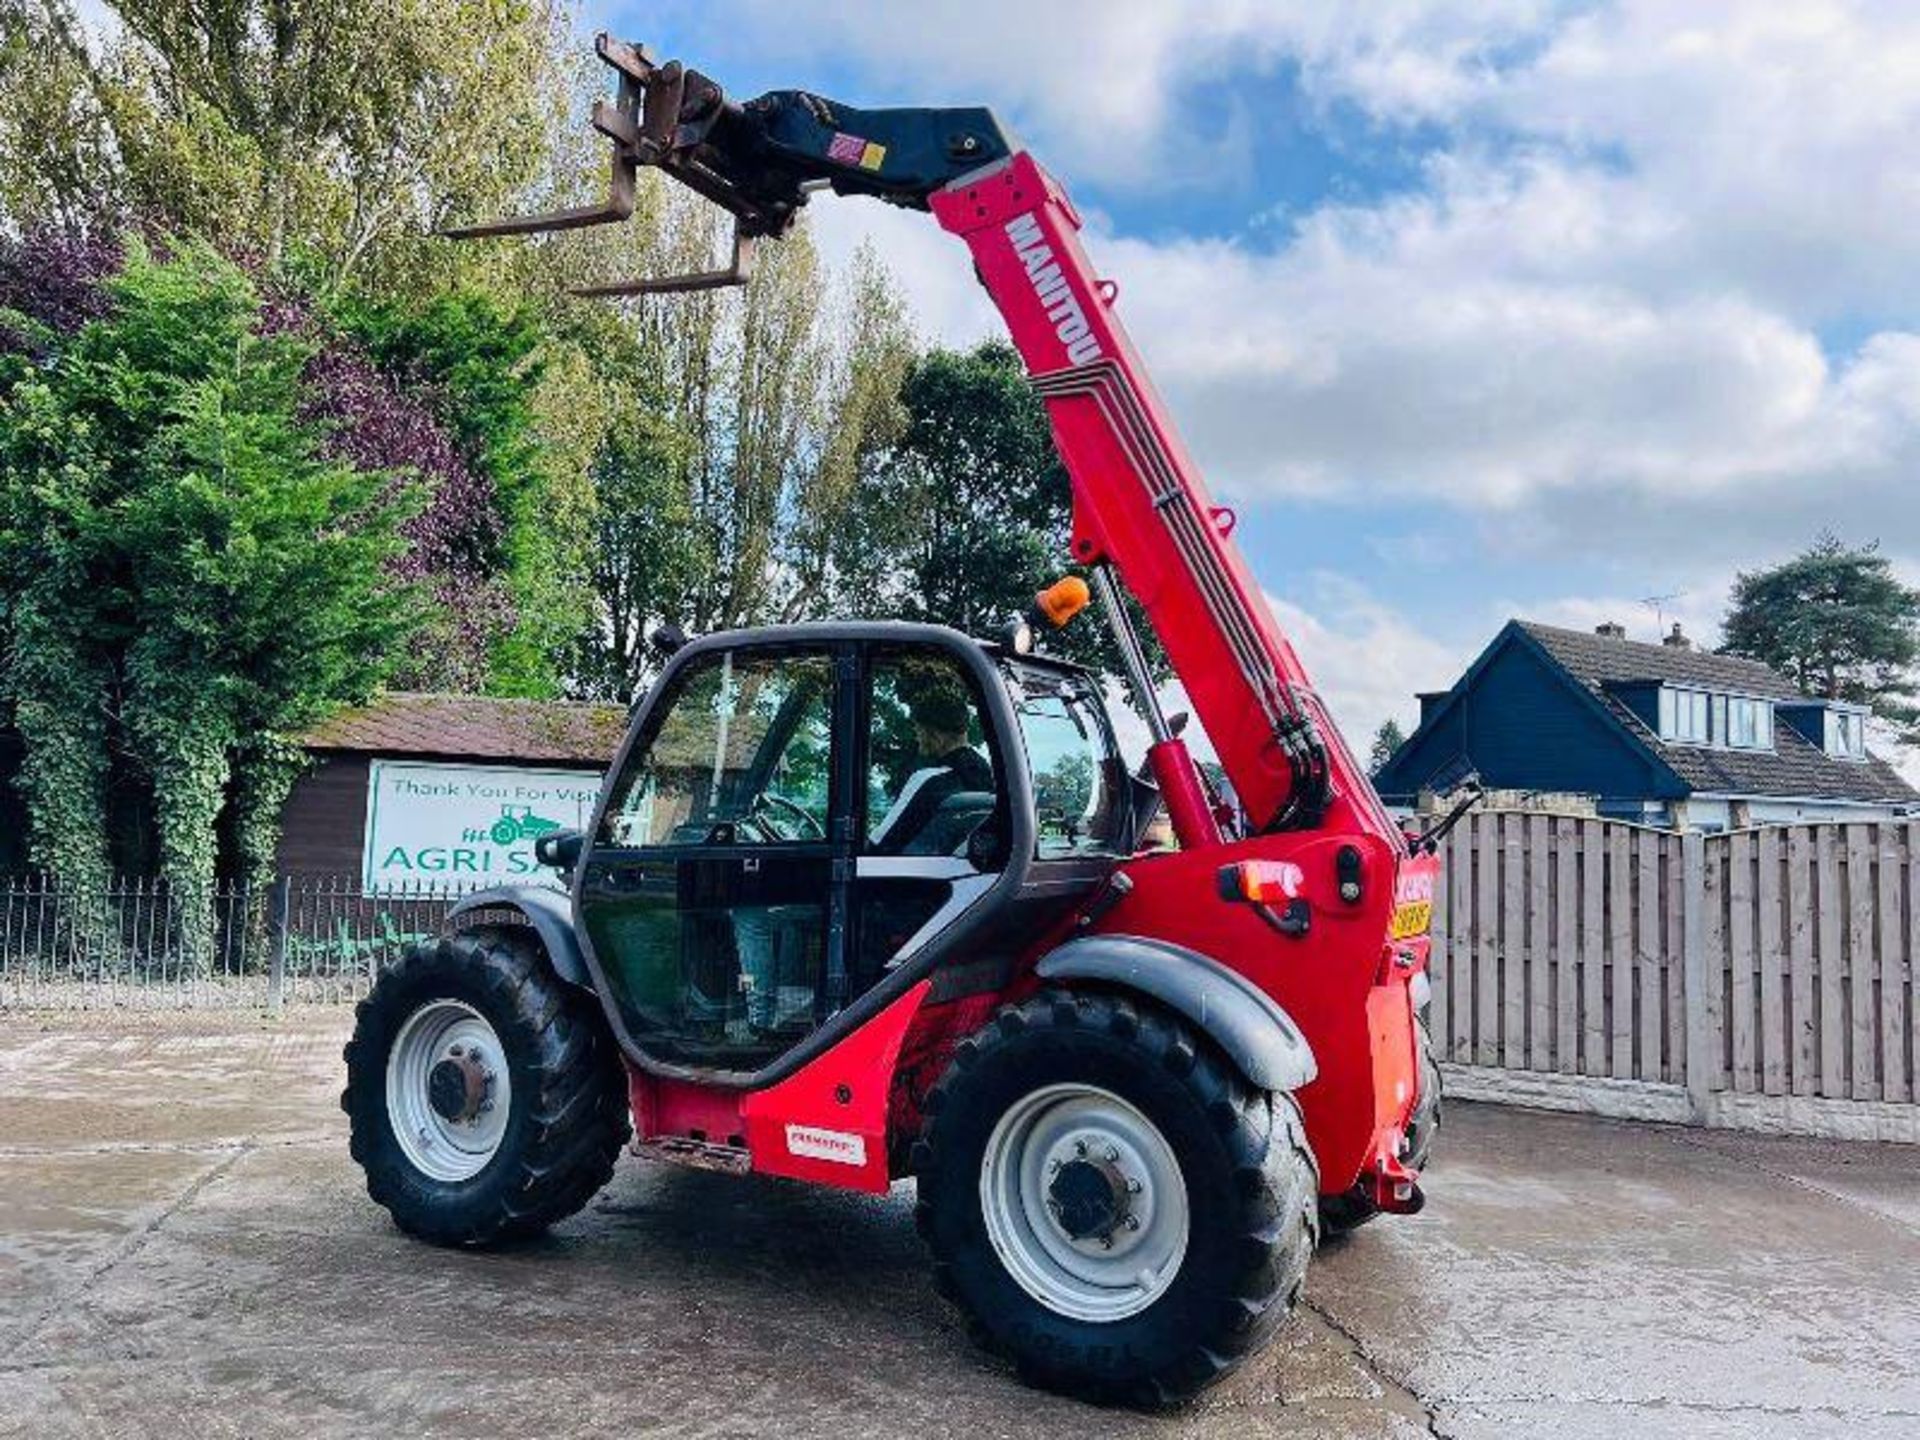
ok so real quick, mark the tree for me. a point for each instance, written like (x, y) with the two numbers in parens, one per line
(188, 580)
(749, 425)
(1839, 623)
(1386, 741)
(648, 557)
(486, 359)
(967, 516)
(58, 145)
(339, 130)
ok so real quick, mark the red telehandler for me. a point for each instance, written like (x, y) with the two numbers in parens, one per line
(864, 901)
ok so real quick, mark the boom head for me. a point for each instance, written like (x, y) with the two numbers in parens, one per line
(758, 160)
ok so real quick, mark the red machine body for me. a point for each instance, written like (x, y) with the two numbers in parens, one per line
(1140, 507)
(1343, 959)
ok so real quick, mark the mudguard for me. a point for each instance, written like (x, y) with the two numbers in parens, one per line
(549, 912)
(1245, 1022)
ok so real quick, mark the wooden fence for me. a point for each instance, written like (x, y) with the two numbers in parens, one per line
(1776, 962)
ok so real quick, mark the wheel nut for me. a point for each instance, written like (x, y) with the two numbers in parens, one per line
(1134, 1187)
(1113, 1153)
(456, 1051)
(1133, 1222)
(1080, 1148)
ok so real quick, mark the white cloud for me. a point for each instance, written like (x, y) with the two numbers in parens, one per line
(1367, 659)
(1129, 91)
(931, 267)
(1652, 306)
(1600, 308)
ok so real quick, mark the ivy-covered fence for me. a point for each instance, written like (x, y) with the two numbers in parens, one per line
(139, 943)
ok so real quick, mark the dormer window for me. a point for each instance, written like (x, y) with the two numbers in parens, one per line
(1749, 724)
(1847, 733)
(1700, 717)
(1683, 716)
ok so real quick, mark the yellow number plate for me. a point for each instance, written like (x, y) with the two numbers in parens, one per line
(1412, 918)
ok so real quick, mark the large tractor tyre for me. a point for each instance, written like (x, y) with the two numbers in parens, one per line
(1110, 1203)
(1347, 1212)
(486, 1098)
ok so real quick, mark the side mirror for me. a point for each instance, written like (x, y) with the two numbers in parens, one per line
(560, 849)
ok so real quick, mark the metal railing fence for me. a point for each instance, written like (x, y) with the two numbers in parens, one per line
(144, 943)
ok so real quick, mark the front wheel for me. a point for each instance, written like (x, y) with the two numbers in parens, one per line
(1110, 1203)
(485, 1096)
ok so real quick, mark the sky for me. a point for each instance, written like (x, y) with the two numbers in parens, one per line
(1472, 310)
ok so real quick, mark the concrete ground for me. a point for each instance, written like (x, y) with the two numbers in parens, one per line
(185, 1249)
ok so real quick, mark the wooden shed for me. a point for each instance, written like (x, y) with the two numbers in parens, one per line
(429, 785)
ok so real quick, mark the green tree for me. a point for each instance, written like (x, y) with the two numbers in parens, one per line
(745, 431)
(1386, 741)
(489, 361)
(58, 146)
(648, 556)
(968, 515)
(341, 130)
(188, 584)
(1838, 621)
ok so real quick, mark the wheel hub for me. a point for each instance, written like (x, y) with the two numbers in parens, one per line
(1089, 1198)
(1084, 1202)
(457, 1087)
(449, 1090)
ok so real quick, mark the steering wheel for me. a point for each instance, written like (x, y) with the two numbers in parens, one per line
(809, 828)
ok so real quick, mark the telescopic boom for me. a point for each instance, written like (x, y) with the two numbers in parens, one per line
(1140, 508)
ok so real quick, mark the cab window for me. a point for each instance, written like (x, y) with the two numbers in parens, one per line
(740, 755)
(931, 781)
(1079, 780)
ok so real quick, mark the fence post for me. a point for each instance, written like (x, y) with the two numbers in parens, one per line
(277, 903)
(1701, 1042)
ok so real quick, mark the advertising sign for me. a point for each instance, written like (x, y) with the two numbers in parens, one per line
(466, 826)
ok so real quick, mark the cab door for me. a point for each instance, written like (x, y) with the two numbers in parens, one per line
(714, 893)
(931, 820)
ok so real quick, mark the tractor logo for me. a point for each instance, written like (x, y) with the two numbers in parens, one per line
(1055, 292)
(516, 823)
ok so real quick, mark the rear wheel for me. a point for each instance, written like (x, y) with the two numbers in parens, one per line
(1110, 1203)
(485, 1097)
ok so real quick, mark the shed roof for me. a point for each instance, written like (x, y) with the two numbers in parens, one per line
(475, 727)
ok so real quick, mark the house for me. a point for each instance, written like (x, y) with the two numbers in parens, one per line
(1667, 734)
(444, 790)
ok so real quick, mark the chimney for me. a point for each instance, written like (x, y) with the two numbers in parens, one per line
(1674, 640)
(1611, 630)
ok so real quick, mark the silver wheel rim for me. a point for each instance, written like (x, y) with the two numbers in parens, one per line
(439, 1146)
(1101, 1277)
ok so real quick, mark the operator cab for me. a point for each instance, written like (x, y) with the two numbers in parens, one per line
(809, 818)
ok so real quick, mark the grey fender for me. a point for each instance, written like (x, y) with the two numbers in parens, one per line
(549, 912)
(1243, 1020)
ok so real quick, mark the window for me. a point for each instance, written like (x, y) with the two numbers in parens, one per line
(930, 776)
(1749, 725)
(1683, 716)
(744, 742)
(1847, 734)
(1079, 782)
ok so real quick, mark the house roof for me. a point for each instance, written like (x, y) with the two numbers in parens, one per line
(1793, 768)
(475, 727)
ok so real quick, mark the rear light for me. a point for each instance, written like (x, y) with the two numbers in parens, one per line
(1262, 882)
